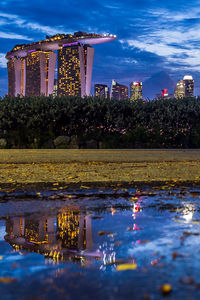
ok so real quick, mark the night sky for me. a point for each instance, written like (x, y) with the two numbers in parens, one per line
(152, 36)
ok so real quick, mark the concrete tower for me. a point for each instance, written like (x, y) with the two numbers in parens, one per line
(75, 64)
(16, 76)
(40, 69)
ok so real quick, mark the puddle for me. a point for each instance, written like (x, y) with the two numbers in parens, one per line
(92, 246)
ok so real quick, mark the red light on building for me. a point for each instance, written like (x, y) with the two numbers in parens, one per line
(165, 93)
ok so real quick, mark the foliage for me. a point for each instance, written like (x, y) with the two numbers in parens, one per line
(31, 122)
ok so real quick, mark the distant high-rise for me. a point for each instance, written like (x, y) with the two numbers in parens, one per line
(189, 86)
(180, 90)
(40, 69)
(184, 88)
(101, 90)
(75, 70)
(119, 91)
(164, 95)
(136, 90)
(55, 88)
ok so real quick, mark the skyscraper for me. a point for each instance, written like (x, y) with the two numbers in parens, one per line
(189, 86)
(75, 64)
(40, 69)
(16, 76)
(180, 90)
(101, 90)
(184, 88)
(55, 88)
(119, 91)
(136, 90)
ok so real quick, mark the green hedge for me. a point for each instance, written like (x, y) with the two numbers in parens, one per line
(36, 121)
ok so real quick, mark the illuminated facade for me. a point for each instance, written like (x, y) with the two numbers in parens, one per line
(184, 88)
(101, 90)
(31, 67)
(180, 90)
(189, 86)
(55, 88)
(136, 91)
(118, 91)
(40, 69)
(75, 64)
(16, 76)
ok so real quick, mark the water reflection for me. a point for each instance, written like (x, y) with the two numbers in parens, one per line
(73, 234)
(154, 238)
(66, 236)
(188, 212)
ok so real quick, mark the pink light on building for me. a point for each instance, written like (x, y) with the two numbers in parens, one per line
(165, 93)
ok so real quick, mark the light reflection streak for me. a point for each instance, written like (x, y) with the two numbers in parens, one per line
(188, 212)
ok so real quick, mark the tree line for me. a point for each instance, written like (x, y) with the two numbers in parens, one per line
(34, 122)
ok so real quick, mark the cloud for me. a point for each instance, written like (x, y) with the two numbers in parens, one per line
(170, 36)
(13, 19)
(3, 61)
(42, 28)
(13, 36)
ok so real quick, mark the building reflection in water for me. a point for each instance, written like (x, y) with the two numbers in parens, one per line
(68, 236)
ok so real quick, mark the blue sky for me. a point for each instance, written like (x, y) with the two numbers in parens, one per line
(152, 36)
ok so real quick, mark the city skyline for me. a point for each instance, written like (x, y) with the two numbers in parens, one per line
(147, 41)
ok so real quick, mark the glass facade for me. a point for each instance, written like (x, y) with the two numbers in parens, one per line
(180, 90)
(75, 63)
(119, 91)
(136, 91)
(69, 73)
(16, 76)
(11, 77)
(101, 90)
(184, 88)
(33, 77)
(189, 88)
(40, 69)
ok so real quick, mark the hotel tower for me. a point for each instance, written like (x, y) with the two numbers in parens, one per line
(75, 65)
(31, 67)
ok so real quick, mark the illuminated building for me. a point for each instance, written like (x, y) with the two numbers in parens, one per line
(189, 86)
(119, 91)
(101, 90)
(40, 69)
(16, 76)
(180, 90)
(55, 88)
(75, 64)
(164, 95)
(136, 90)
(184, 88)
(31, 66)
